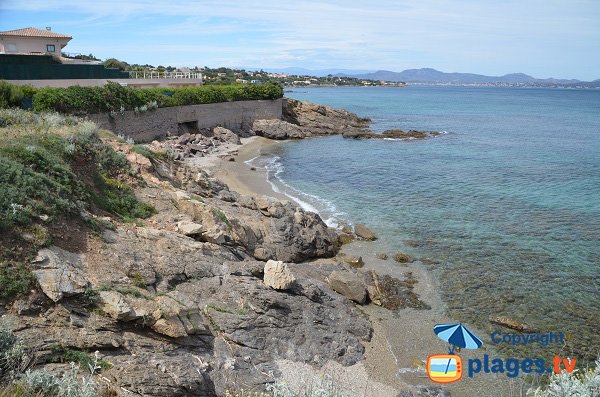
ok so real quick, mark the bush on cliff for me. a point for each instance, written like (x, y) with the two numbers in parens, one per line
(115, 98)
(54, 171)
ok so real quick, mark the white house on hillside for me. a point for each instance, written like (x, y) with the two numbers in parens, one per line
(33, 41)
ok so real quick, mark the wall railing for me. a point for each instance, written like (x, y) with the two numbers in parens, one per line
(164, 75)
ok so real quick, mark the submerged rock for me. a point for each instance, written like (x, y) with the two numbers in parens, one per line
(401, 257)
(392, 293)
(512, 324)
(364, 232)
(390, 134)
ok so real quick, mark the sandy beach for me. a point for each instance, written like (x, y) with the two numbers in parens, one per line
(402, 340)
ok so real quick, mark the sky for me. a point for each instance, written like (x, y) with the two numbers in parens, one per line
(543, 38)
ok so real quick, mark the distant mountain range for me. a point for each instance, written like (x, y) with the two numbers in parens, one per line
(428, 75)
(432, 76)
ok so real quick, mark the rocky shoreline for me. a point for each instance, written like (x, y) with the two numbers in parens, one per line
(214, 290)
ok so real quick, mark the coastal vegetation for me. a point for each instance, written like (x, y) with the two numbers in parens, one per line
(54, 169)
(115, 98)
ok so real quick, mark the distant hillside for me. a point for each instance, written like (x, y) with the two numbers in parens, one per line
(428, 75)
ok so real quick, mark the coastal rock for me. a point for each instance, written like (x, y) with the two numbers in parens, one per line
(226, 135)
(401, 257)
(390, 134)
(317, 120)
(364, 232)
(59, 273)
(354, 261)
(382, 255)
(392, 293)
(345, 238)
(278, 276)
(512, 324)
(278, 129)
(349, 285)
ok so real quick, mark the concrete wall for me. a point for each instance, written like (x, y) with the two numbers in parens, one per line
(26, 45)
(137, 83)
(162, 122)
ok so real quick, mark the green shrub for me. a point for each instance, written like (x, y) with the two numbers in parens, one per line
(10, 95)
(14, 280)
(115, 98)
(118, 198)
(60, 354)
(45, 173)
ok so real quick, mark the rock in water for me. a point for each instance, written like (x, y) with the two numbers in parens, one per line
(354, 261)
(401, 257)
(278, 275)
(349, 285)
(364, 232)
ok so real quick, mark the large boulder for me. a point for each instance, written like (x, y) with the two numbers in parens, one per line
(278, 129)
(349, 285)
(226, 135)
(59, 273)
(278, 275)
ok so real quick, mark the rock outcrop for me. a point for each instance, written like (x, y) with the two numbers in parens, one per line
(279, 129)
(318, 120)
(59, 273)
(390, 134)
(208, 291)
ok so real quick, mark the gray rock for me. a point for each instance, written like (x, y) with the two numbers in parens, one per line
(364, 232)
(349, 285)
(115, 305)
(189, 228)
(278, 129)
(226, 135)
(59, 273)
(278, 275)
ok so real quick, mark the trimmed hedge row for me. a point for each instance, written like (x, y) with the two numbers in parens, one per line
(115, 98)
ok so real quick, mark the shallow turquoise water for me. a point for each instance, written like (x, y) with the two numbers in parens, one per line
(506, 205)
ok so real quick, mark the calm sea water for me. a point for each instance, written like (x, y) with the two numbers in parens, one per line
(504, 208)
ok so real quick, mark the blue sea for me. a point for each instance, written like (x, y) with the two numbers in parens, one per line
(503, 208)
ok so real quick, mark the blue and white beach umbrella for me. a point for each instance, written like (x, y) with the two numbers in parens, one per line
(457, 335)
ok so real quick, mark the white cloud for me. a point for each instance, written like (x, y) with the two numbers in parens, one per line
(377, 34)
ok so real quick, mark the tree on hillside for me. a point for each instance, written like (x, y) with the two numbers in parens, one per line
(115, 64)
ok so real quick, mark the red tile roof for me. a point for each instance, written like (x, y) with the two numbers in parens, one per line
(33, 32)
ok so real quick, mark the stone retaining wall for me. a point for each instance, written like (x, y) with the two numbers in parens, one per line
(144, 127)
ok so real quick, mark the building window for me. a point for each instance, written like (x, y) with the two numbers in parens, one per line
(10, 47)
(50, 48)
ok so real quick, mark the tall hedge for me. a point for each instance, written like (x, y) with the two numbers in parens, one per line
(114, 97)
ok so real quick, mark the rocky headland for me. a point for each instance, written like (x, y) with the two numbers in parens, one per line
(216, 288)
